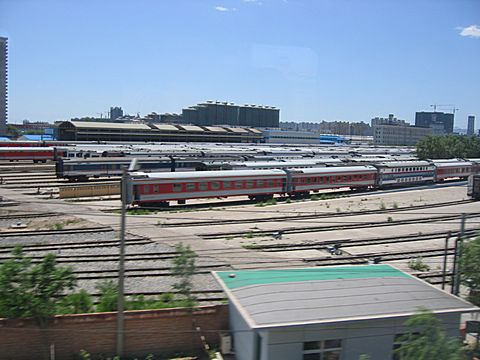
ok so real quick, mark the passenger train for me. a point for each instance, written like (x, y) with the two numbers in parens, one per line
(160, 188)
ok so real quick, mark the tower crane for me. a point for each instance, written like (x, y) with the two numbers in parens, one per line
(454, 108)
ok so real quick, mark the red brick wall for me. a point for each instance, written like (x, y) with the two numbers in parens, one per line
(146, 331)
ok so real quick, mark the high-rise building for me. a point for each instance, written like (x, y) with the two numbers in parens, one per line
(225, 113)
(435, 120)
(391, 120)
(3, 85)
(471, 125)
(115, 112)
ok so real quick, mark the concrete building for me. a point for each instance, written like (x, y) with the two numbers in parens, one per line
(434, 119)
(225, 113)
(471, 125)
(115, 112)
(330, 127)
(300, 137)
(399, 135)
(3, 85)
(334, 313)
(391, 120)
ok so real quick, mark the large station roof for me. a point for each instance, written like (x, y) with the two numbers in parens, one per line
(273, 298)
(109, 125)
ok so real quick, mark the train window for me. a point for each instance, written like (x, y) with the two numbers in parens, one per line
(270, 183)
(191, 187)
(177, 187)
(308, 180)
(227, 184)
(249, 184)
(260, 183)
(215, 185)
(155, 188)
(238, 184)
(315, 179)
(339, 179)
(202, 186)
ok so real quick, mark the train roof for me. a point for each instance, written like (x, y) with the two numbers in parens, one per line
(404, 163)
(28, 148)
(452, 164)
(127, 160)
(339, 169)
(290, 163)
(206, 174)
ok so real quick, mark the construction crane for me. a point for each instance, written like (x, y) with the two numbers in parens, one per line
(454, 109)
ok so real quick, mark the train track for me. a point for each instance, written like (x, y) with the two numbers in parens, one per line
(55, 232)
(378, 257)
(301, 230)
(312, 216)
(58, 184)
(27, 216)
(74, 245)
(322, 245)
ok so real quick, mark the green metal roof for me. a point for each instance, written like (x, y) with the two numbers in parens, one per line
(242, 278)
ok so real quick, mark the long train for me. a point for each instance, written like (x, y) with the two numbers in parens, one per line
(156, 189)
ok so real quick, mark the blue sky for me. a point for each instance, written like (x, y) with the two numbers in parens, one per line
(314, 59)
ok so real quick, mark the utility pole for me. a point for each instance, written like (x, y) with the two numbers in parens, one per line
(121, 264)
(445, 254)
(456, 276)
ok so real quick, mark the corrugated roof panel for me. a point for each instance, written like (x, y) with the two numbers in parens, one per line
(238, 130)
(215, 129)
(166, 127)
(192, 128)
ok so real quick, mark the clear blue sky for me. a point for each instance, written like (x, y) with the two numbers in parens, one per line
(314, 59)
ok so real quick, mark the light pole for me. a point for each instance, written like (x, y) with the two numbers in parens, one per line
(121, 264)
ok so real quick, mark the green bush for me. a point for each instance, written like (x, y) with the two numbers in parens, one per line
(418, 264)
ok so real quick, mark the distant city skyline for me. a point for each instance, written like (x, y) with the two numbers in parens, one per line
(314, 60)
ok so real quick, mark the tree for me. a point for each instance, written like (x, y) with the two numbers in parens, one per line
(470, 268)
(108, 298)
(184, 268)
(447, 147)
(28, 290)
(426, 340)
(76, 303)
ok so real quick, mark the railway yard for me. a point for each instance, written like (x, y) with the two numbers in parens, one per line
(330, 227)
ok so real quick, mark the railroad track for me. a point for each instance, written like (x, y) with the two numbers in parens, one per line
(27, 216)
(301, 230)
(58, 184)
(321, 245)
(378, 257)
(75, 245)
(55, 232)
(312, 216)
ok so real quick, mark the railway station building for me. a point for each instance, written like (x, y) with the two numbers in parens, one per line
(334, 313)
(109, 131)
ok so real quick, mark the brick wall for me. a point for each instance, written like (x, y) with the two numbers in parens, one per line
(146, 331)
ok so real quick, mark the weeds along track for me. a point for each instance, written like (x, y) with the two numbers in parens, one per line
(312, 216)
(305, 229)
